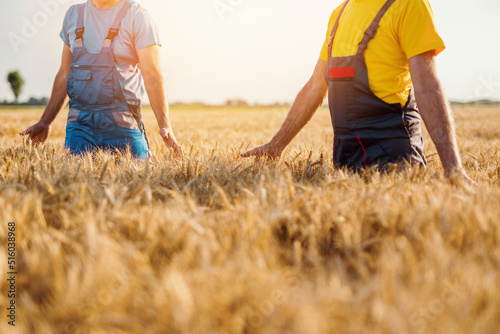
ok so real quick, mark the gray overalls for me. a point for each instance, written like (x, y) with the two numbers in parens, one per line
(100, 116)
(367, 130)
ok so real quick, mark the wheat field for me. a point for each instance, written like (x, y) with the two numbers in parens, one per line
(213, 243)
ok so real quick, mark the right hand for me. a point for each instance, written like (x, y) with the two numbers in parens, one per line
(460, 175)
(167, 134)
(38, 133)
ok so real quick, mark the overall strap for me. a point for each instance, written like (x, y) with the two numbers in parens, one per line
(113, 32)
(335, 28)
(79, 25)
(373, 28)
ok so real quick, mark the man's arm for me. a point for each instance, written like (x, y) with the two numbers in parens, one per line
(149, 60)
(39, 132)
(436, 112)
(309, 100)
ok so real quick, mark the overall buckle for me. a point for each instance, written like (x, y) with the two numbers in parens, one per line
(368, 36)
(79, 33)
(112, 34)
(370, 33)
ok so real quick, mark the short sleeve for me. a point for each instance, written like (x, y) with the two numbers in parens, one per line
(146, 32)
(417, 31)
(64, 31)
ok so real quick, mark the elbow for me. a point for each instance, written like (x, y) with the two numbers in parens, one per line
(63, 74)
(318, 90)
(62, 80)
(152, 78)
(427, 90)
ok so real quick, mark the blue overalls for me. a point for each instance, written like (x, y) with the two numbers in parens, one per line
(99, 115)
(367, 130)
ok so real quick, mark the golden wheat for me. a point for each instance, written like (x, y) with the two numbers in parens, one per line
(212, 243)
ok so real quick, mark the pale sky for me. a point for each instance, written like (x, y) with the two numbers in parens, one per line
(261, 51)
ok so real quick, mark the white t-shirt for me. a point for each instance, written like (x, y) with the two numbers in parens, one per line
(137, 31)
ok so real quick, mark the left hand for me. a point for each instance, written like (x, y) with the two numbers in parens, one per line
(268, 151)
(169, 138)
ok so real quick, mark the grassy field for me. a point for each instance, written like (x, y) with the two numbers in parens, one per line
(212, 243)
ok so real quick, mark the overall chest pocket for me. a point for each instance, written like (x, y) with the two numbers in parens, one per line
(91, 84)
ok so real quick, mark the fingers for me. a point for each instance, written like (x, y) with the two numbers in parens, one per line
(251, 153)
(258, 152)
(36, 134)
(169, 139)
(177, 149)
(33, 137)
(460, 177)
(471, 183)
(262, 151)
(25, 132)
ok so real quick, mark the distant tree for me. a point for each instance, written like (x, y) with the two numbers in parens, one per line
(16, 84)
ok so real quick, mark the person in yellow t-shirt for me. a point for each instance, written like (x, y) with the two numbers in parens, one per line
(406, 30)
(378, 60)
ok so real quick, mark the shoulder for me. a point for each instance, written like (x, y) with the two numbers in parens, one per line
(403, 6)
(72, 11)
(138, 12)
(335, 14)
(337, 10)
(140, 21)
(418, 12)
(71, 16)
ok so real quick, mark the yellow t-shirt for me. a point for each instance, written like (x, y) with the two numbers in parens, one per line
(406, 30)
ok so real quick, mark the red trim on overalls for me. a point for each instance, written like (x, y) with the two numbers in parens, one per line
(364, 152)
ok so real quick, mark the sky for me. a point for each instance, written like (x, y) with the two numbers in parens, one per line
(262, 51)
